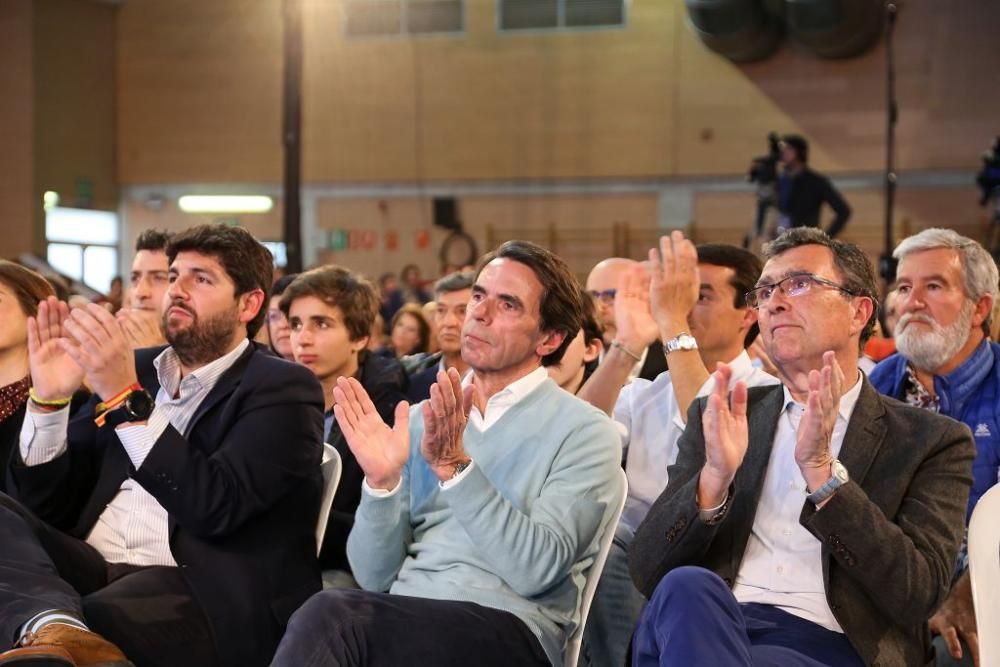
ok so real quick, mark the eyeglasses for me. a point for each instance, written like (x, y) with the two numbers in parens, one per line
(275, 316)
(793, 286)
(607, 296)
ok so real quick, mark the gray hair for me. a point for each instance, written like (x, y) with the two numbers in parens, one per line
(979, 271)
(454, 282)
(978, 268)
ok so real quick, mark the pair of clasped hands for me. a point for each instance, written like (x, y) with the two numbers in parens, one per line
(65, 346)
(724, 423)
(382, 451)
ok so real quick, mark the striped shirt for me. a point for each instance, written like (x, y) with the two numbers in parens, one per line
(133, 527)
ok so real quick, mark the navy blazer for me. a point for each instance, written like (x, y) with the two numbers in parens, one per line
(241, 489)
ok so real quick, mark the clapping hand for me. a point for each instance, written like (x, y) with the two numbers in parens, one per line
(381, 451)
(724, 423)
(54, 373)
(141, 327)
(674, 287)
(634, 321)
(445, 417)
(96, 342)
(812, 442)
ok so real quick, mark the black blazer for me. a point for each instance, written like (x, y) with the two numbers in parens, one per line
(889, 537)
(241, 487)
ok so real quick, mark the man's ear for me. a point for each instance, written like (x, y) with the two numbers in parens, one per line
(550, 343)
(864, 309)
(981, 311)
(249, 304)
(593, 350)
(749, 318)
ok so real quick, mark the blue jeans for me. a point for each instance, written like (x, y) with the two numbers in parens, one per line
(615, 610)
(693, 619)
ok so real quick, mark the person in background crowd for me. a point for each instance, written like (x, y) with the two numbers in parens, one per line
(428, 310)
(814, 522)
(175, 530)
(583, 353)
(21, 290)
(377, 338)
(451, 297)
(412, 289)
(602, 284)
(331, 311)
(391, 300)
(694, 298)
(141, 318)
(279, 334)
(802, 191)
(409, 332)
(483, 507)
(946, 286)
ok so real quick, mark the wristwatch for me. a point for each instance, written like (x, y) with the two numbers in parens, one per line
(682, 341)
(839, 478)
(137, 407)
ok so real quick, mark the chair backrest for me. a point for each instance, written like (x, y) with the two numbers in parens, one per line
(984, 571)
(331, 479)
(571, 654)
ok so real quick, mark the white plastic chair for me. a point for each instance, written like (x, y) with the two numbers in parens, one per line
(984, 572)
(571, 654)
(331, 479)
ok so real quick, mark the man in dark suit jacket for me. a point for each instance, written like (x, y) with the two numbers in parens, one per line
(846, 575)
(180, 529)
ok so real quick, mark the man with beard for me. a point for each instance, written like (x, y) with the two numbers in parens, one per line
(946, 288)
(483, 506)
(175, 530)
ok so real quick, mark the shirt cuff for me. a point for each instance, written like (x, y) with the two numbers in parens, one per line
(448, 483)
(43, 435)
(380, 493)
(715, 514)
(138, 440)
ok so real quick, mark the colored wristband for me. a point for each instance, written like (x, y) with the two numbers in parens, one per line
(53, 404)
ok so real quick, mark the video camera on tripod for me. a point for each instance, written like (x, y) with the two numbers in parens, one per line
(988, 178)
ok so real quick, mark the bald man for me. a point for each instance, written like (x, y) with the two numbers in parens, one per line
(602, 285)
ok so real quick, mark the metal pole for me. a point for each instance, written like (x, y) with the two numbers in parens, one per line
(887, 265)
(292, 133)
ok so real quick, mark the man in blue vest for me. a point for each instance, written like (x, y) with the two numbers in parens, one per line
(946, 287)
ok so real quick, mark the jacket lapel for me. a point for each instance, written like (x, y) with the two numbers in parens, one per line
(865, 433)
(762, 424)
(223, 388)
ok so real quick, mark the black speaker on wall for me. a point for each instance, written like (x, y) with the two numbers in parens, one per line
(446, 214)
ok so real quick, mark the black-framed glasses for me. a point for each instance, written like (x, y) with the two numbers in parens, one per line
(794, 285)
(605, 296)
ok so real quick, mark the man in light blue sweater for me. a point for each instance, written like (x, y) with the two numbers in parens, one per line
(483, 507)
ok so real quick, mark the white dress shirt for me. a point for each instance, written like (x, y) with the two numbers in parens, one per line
(782, 565)
(133, 527)
(653, 423)
(496, 407)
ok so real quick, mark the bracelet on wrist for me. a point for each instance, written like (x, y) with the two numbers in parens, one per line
(48, 404)
(617, 343)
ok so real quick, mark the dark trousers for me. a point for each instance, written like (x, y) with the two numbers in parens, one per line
(148, 612)
(693, 619)
(351, 628)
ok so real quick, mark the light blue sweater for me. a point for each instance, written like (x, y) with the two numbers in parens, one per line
(518, 533)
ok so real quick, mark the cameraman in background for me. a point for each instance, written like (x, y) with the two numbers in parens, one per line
(764, 173)
(802, 191)
(988, 180)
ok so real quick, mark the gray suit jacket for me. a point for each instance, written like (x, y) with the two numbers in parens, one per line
(890, 536)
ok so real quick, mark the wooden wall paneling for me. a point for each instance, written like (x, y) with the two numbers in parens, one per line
(17, 202)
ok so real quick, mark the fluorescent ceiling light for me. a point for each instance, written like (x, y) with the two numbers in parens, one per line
(225, 204)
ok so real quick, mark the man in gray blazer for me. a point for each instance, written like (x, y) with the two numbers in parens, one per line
(812, 523)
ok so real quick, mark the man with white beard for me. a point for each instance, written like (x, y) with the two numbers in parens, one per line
(945, 361)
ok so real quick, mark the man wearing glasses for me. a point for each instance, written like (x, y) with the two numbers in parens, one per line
(603, 283)
(815, 523)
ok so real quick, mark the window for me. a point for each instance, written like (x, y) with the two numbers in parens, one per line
(83, 245)
(367, 18)
(560, 14)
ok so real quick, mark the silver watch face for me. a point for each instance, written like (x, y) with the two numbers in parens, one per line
(682, 342)
(839, 471)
